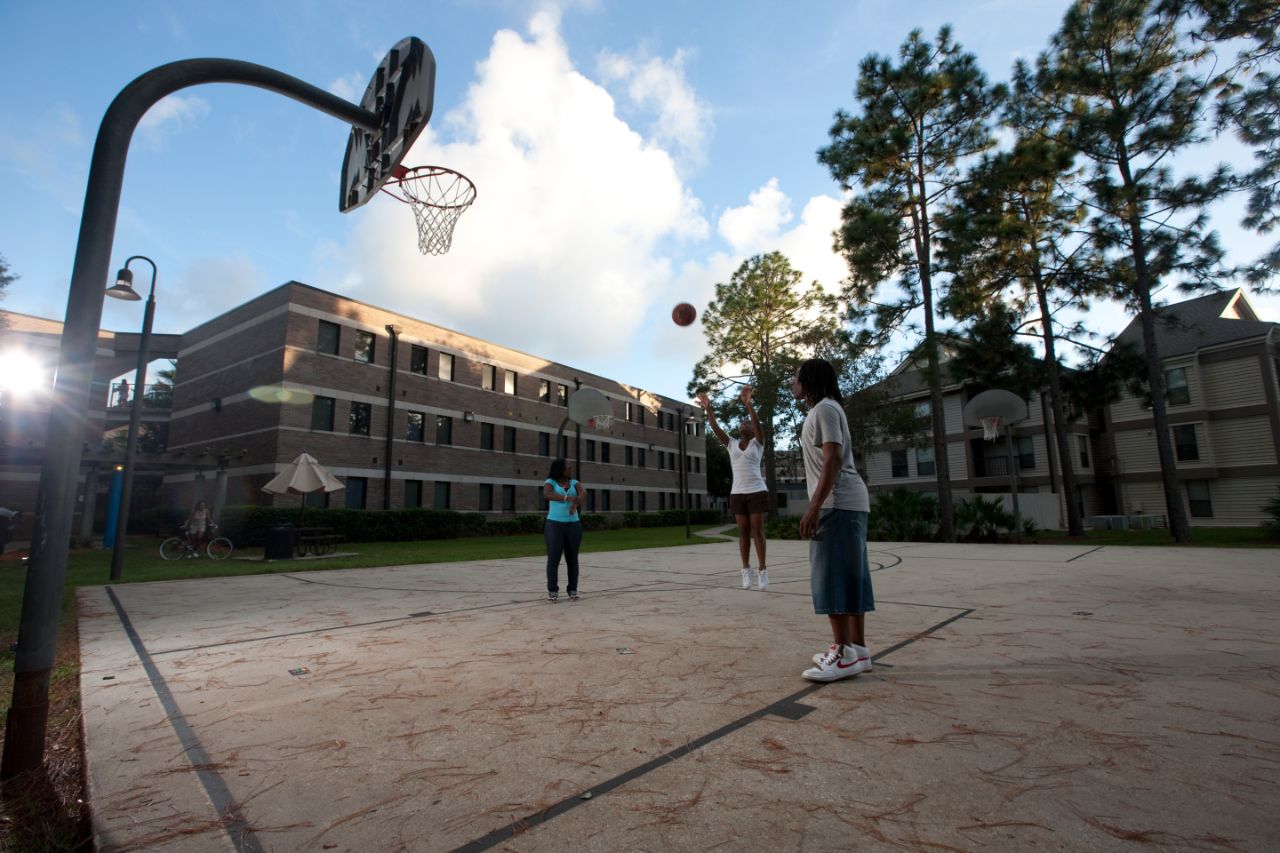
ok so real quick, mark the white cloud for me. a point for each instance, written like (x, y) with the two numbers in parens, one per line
(564, 251)
(351, 87)
(680, 119)
(758, 227)
(171, 115)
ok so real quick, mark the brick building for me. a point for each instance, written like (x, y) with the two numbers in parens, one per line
(471, 425)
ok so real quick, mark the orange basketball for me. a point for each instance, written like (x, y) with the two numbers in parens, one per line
(684, 314)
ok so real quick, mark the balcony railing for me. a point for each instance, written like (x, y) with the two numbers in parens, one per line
(157, 396)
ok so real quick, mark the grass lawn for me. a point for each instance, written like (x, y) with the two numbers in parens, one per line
(49, 813)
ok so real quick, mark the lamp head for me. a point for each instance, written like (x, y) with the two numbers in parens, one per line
(123, 288)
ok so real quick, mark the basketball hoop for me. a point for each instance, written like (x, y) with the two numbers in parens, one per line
(601, 422)
(438, 197)
(991, 427)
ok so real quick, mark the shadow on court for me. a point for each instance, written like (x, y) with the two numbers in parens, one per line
(1050, 697)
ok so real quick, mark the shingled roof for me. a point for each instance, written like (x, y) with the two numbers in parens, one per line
(1184, 327)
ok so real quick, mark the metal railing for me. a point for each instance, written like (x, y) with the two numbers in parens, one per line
(156, 396)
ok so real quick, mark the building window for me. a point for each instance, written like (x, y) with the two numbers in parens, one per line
(1184, 443)
(925, 466)
(627, 414)
(364, 346)
(628, 455)
(1026, 453)
(604, 451)
(697, 429)
(604, 500)
(640, 500)
(898, 463)
(322, 413)
(327, 337)
(416, 429)
(486, 436)
(355, 492)
(445, 369)
(486, 497)
(662, 501)
(591, 500)
(640, 457)
(1083, 443)
(544, 391)
(640, 416)
(413, 494)
(1198, 499)
(418, 360)
(591, 450)
(562, 395)
(444, 430)
(631, 500)
(509, 439)
(544, 444)
(924, 408)
(564, 447)
(319, 499)
(441, 498)
(488, 377)
(697, 464)
(509, 382)
(1176, 390)
(782, 500)
(508, 498)
(358, 420)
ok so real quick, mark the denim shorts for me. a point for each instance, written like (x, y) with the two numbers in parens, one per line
(839, 574)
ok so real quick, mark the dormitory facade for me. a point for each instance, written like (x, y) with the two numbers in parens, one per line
(1221, 368)
(458, 423)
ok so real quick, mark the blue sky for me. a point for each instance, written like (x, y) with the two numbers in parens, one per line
(627, 155)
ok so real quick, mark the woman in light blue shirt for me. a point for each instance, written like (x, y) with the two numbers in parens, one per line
(563, 529)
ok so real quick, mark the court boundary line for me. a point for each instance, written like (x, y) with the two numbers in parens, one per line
(231, 819)
(788, 707)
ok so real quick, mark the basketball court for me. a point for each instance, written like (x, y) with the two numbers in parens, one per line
(1024, 697)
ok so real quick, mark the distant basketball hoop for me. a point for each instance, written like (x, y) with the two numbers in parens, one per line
(991, 427)
(600, 422)
(438, 196)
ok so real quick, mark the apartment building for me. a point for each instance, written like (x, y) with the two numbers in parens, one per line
(1220, 365)
(406, 413)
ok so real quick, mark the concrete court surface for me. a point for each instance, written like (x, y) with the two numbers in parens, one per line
(1024, 698)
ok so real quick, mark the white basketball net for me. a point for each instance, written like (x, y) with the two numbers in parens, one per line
(991, 427)
(601, 422)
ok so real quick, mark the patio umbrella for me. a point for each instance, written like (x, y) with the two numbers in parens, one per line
(301, 477)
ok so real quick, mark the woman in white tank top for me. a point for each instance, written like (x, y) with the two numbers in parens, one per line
(749, 496)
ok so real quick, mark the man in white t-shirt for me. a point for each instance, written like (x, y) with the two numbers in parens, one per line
(835, 524)
(749, 496)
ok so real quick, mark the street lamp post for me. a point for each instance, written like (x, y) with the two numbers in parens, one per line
(684, 470)
(393, 332)
(123, 289)
(28, 716)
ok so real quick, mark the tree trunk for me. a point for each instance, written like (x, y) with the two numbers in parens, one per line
(1075, 525)
(946, 509)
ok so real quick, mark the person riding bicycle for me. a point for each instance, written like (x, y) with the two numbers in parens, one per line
(199, 525)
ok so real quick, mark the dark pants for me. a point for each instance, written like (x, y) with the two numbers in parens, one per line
(563, 537)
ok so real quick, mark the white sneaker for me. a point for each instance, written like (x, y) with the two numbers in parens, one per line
(854, 651)
(746, 577)
(835, 665)
(762, 580)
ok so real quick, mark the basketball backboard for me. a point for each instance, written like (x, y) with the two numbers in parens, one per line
(402, 91)
(586, 404)
(997, 402)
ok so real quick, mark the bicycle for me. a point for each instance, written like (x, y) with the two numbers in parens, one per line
(180, 547)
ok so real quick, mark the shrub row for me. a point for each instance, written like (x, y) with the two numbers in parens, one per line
(248, 525)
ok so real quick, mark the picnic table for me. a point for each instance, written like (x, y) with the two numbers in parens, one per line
(315, 541)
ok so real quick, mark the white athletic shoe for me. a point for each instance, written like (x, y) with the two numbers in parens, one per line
(762, 580)
(746, 577)
(838, 663)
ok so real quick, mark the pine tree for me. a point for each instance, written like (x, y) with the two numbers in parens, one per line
(918, 120)
(759, 327)
(1134, 95)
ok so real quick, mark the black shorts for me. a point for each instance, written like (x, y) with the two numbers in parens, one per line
(752, 503)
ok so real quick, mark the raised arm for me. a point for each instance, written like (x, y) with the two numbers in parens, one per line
(745, 397)
(711, 419)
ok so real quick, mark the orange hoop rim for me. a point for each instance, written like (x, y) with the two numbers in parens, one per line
(403, 177)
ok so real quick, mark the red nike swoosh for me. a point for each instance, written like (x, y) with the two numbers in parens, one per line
(843, 665)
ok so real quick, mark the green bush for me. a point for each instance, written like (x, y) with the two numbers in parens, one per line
(786, 527)
(1272, 508)
(982, 520)
(903, 515)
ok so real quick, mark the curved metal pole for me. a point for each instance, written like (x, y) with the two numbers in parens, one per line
(135, 421)
(68, 416)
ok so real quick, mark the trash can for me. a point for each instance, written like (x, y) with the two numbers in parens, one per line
(280, 543)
